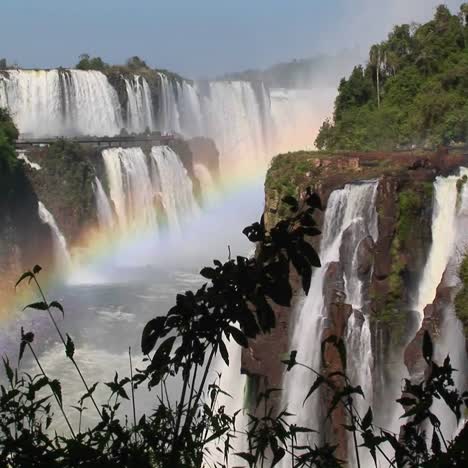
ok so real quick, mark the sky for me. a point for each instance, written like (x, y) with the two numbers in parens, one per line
(197, 38)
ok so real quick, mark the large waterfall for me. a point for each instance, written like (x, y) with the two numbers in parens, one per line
(248, 122)
(61, 103)
(350, 212)
(147, 189)
(61, 254)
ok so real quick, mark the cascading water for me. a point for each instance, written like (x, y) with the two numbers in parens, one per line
(175, 185)
(61, 103)
(140, 113)
(352, 207)
(104, 209)
(62, 256)
(207, 184)
(131, 188)
(245, 119)
(140, 185)
(443, 238)
(169, 119)
(449, 245)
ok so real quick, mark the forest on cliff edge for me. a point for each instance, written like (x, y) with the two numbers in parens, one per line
(413, 91)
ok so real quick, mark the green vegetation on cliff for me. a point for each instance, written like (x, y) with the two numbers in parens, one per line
(461, 300)
(412, 91)
(8, 161)
(65, 185)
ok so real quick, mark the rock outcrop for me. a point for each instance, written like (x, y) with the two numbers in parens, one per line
(390, 268)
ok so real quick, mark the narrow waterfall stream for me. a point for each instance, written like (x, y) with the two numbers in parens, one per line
(104, 209)
(61, 254)
(351, 207)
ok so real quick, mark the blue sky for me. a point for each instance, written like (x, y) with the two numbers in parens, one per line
(197, 38)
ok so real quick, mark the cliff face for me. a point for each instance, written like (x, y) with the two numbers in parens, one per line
(19, 218)
(389, 269)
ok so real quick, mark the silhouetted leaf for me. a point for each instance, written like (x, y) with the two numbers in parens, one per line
(224, 352)
(36, 269)
(37, 306)
(151, 333)
(367, 420)
(291, 362)
(8, 369)
(69, 347)
(25, 275)
(238, 336)
(427, 347)
(56, 387)
(318, 381)
(208, 273)
(278, 455)
(89, 393)
(58, 306)
(435, 445)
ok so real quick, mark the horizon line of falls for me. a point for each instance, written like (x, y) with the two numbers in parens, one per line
(350, 219)
(248, 122)
(146, 191)
(62, 258)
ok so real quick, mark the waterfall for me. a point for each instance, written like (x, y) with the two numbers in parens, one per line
(443, 239)
(169, 119)
(248, 122)
(131, 188)
(22, 156)
(140, 114)
(449, 246)
(104, 209)
(61, 254)
(351, 208)
(232, 113)
(207, 184)
(175, 185)
(48, 103)
(144, 188)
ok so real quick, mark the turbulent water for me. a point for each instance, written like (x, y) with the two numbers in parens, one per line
(350, 209)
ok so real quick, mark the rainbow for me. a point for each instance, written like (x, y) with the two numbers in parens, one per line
(98, 248)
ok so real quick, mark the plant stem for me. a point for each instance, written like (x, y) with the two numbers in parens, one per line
(55, 395)
(133, 389)
(64, 344)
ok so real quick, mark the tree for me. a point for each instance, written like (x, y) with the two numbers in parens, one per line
(136, 63)
(86, 62)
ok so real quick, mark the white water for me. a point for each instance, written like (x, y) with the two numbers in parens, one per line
(138, 183)
(62, 256)
(52, 103)
(248, 122)
(443, 240)
(449, 246)
(353, 205)
(174, 184)
(31, 164)
(140, 113)
(207, 184)
(104, 209)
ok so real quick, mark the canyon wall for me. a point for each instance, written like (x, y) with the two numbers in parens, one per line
(381, 325)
